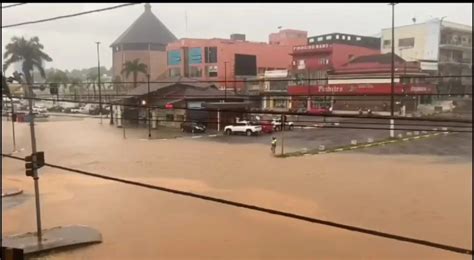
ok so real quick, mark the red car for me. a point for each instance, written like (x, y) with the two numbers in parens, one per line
(267, 126)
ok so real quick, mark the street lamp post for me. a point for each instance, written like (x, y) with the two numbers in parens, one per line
(98, 78)
(148, 106)
(225, 81)
(392, 76)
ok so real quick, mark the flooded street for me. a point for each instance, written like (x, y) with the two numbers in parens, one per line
(419, 196)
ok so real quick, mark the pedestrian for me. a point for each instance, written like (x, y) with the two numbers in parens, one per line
(274, 144)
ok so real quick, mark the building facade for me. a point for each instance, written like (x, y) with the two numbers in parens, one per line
(227, 61)
(365, 83)
(443, 48)
(145, 40)
(325, 53)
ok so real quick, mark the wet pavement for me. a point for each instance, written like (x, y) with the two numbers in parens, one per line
(422, 195)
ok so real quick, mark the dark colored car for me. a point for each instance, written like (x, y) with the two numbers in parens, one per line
(193, 127)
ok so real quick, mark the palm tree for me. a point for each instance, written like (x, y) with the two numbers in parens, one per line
(30, 52)
(134, 67)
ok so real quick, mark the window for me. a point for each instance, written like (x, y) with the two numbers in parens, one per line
(406, 42)
(343, 37)
(210, 54)
(329, 37)
(358, 39)
(337, 36)
(174, 72)
(195, 56)
(279, 103)
(169, 117)
(320, 39)
(211, 71)
(348, 38)
(195, 72)
(387, 43)
(311, 40)
(174, 57)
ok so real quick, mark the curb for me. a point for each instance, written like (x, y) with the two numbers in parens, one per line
(358, 146)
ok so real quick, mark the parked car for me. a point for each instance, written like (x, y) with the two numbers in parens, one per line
(193, 127)
(74, 110)
(267, 126)
(245, 127)
(320, 111)
(276, 122)
(39, 109)
(56, 108)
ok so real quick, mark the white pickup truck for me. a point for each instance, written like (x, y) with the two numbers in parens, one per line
(276, 122)
(245, 127)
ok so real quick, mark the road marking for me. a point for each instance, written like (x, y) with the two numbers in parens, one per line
(406, 139)
(416, 137)
(212, 135)
(339, 150)
(198, 136)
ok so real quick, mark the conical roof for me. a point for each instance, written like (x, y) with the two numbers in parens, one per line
(146, 29)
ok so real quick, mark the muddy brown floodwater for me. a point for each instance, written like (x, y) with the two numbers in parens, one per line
(416, 196)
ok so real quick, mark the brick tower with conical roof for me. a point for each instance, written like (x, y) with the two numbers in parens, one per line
(146, 40)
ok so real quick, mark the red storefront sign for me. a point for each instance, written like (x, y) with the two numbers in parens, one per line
(362, 89)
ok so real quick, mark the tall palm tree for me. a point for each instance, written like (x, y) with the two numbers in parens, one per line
(134, 67)
(30, 52)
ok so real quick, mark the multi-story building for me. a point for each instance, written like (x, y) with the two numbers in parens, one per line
(324, 53)
(229, 61)
(365, 83)
(145, 40)
(443, 48)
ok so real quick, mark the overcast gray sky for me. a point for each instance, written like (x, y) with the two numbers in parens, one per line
(71, 42)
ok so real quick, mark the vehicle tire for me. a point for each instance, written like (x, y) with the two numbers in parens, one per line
(228, 132)
(248, 132)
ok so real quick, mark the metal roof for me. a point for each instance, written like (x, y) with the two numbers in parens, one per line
(146, 29)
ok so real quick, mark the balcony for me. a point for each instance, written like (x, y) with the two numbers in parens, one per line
(455, 61)
(458, 45)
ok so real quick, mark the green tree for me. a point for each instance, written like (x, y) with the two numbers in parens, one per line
(134, 67)
(91, 79)
(57, 78)
(30, 52)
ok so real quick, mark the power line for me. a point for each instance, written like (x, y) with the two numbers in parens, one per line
(13, 5)
(68, 16)
(261, 209)
(265, 112)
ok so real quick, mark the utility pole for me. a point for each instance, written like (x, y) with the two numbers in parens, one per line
(98, 78)
(282, 134)
(35, 170)
(225, 81)
(392, 76)
(148, 106)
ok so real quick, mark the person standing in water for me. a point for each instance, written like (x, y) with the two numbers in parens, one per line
(274, 144)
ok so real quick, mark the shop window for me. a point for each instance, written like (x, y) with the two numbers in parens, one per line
(279, 103)
(211, 71)
(169, 117)
(174, 72)
(195, 72)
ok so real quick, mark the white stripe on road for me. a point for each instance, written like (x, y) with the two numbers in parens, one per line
(212, 135)
(199, 136)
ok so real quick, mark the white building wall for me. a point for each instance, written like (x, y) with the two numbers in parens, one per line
(426, 36)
